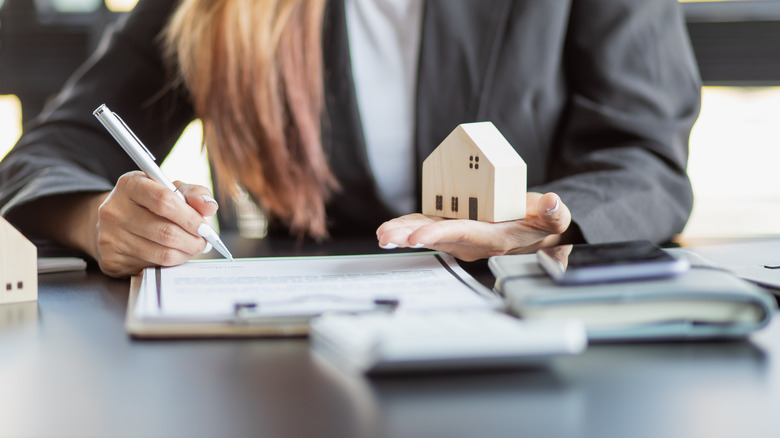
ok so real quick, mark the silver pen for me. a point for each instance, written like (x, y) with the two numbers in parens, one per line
(145, 160)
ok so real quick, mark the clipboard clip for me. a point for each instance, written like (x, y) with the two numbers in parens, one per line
(250, 312)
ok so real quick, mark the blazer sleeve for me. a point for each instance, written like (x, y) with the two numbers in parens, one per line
(619, 162)
(66, 150)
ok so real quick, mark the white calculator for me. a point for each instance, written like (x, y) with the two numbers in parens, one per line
(426, 340)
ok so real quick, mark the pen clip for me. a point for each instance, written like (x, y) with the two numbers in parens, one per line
(134, 136)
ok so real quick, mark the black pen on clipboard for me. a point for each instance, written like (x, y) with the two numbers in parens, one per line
(145, 161)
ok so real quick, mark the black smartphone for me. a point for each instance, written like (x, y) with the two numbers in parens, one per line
(609, 262)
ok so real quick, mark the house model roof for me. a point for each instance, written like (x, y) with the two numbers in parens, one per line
(489, 140)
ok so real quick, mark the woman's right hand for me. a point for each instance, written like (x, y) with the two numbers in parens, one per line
(141, 223)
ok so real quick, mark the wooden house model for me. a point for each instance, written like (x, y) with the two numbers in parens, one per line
(474, 174)
(18, 266)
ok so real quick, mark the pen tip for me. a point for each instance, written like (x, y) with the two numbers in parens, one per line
(222, 249)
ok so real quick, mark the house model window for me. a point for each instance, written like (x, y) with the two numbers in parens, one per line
(495, 194)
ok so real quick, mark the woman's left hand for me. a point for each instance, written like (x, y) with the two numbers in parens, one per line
(546, 219)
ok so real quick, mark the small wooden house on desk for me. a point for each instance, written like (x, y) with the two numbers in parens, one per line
(18, 266)
(474, 174)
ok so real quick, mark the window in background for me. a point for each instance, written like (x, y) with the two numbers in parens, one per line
(84, 6)
(10, 121)
(74, 6)
(734, 145)
(733, 165)
(120, 5)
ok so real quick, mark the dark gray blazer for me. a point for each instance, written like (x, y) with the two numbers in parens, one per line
(597, 96)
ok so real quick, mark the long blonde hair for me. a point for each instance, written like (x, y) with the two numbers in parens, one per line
(254, 71)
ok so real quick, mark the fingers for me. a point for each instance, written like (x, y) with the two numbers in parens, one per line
(120, 263)
(199, 198)
(548, 213)
(560, 254)
(147, 230)
(462, 231)
(395, 233)
(159, 201)
(471, 240)
(468, 240)
(465, 239)
(142, 223)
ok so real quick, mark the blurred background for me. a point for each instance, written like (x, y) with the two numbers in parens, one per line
(734, 148)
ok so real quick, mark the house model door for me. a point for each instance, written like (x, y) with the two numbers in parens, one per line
(473, 208)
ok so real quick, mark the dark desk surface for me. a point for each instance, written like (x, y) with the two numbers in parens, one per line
(67, 368)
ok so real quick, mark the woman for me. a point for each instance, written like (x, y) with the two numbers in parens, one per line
(324, 112)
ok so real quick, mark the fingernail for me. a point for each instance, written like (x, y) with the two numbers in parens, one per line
(207, 248)
(389, 245)
(208, 198)
(204, 230)
(551, 211)
(419, 245)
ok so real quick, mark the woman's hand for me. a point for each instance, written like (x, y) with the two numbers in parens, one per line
(547, 218)
(141, 223)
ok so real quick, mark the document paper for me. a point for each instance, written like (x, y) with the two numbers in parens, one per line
(211, 290)
(757, 261)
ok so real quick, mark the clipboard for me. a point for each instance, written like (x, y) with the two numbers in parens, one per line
(288, 292)
(139, 328)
